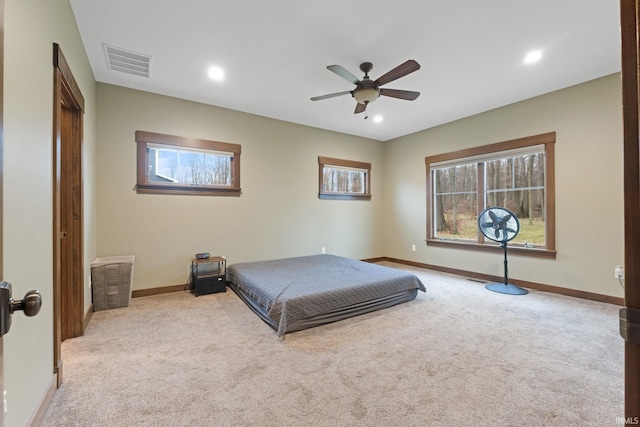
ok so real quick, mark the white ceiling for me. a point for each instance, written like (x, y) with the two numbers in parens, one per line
(275, 53)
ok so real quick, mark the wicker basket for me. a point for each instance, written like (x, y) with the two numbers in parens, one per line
(111, 280)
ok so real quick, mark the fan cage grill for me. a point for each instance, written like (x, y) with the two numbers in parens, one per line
(499, 224)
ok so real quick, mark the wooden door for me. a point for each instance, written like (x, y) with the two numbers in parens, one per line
(70, 212)
(629, 16)
(68, 255)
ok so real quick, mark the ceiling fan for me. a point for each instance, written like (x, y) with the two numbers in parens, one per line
(368, 90)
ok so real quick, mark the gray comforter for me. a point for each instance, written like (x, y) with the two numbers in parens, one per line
(292, 289)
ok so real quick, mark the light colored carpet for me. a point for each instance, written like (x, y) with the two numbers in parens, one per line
(457, 355)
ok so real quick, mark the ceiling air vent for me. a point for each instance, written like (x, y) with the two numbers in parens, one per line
(127, 61)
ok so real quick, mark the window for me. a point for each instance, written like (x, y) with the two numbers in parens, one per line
(344, 179)
(175, 165)
(517, 175)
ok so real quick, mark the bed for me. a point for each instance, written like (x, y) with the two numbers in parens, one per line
(298, 293)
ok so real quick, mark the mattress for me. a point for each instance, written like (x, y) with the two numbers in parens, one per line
(298, 293)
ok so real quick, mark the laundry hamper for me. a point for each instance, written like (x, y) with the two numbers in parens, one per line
(111, 280)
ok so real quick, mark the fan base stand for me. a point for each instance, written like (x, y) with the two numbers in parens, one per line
(506, 289)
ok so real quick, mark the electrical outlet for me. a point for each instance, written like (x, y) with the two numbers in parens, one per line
(324, 250)
(619, 272)
(413, 248)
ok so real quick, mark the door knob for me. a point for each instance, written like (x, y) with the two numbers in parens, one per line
(30, 305)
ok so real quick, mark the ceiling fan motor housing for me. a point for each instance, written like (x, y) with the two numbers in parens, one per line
(367, 90)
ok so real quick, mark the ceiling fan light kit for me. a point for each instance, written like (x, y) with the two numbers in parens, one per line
(366, 95)
(368, 90)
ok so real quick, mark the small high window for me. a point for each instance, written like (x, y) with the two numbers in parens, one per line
(344, 179)
(176, 165)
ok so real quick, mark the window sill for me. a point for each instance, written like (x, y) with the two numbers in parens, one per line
(189, 191)
(343, 197)
(489, 247)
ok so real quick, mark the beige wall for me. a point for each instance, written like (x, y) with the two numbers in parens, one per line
(278, 215)
(32, 26)
(587, 120)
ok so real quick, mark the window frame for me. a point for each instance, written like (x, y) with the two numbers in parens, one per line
(145, 186)
(341, 163)
(548, 141)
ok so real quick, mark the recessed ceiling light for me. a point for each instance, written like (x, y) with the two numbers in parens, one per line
(377, 119)
(216, 73)
(532, 57)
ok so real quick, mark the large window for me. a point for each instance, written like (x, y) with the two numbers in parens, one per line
(517, 175)
(176, 165)
(344, 179)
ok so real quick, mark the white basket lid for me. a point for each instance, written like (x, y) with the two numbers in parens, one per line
(122, 259)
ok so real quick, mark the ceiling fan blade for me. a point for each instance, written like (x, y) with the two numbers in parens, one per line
(331, 95)
(339, 70)
(360, 108)
(400, 71)
(400, 94)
